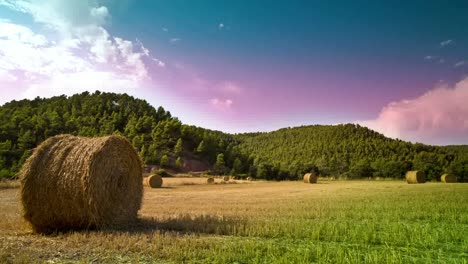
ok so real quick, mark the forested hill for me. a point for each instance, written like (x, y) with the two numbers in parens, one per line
(350, 151)
(343, 151)
(160, 138)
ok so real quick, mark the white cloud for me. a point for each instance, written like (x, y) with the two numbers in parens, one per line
(432, 58)
(146, 52)
(77, 82)
(6, 76)
(25, 51)
(174, 40)
(460, 63)
(132, 59)
(100, 14)
(220, 104)
(230, 87)
(159, 63)
(71, 52)
(446, 42)
(220, 26)
(437, 59)
(61, 15)
(439, 116)
(99, 43)
(18, 33)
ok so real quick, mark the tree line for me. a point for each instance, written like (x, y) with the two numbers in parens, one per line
(347, 151)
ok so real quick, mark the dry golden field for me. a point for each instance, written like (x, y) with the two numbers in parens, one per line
(189, 221)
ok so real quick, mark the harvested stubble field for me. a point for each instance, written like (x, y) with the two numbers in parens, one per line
(264, 222)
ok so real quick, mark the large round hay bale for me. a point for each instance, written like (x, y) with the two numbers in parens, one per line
(226, 178)
(448, 178)
(154, 181)
(310, 178)
(415, 177)
(74, 182)
(210, 180)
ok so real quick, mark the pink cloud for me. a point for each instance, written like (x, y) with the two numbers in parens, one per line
(230, 88)
(220, 104)
(439, 117)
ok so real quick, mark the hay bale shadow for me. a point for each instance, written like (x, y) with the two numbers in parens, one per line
(162, 187)
(184, 224)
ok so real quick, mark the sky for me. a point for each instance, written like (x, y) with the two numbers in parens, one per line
(241, 66)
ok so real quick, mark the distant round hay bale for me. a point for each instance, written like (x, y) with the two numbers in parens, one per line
(154, 181)
(415, 177)
(72, 183)
(226, 178)
(210, 180)
(249, 179)
(448, 178)
(310, 178)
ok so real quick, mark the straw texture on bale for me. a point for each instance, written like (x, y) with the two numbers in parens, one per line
(448, 178)
(226, 178)
(310, 178)
(415, 177)
(210, 180)
(74, 182)
(154, 181)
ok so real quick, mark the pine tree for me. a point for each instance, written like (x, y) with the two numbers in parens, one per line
(178, 163)
(164, 162)
(236, 167)
(201, 147)
(178, 147)
(219, 166)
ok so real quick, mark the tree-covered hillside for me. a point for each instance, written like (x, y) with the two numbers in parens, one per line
(343, 151)
(350, 151)
(160, 138)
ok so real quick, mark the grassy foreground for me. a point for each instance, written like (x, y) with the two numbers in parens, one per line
(264, 222)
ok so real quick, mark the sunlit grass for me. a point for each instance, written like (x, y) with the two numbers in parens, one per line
(285, 222)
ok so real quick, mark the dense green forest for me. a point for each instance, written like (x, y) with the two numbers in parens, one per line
(160, 138)
(352, 151)
(348, 151)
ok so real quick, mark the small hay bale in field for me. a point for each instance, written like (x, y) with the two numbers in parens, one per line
(415, 177)
(310, 178)
(210, 180)
(448, 178)
(226, 178)
(72, 183)
(154, 181)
